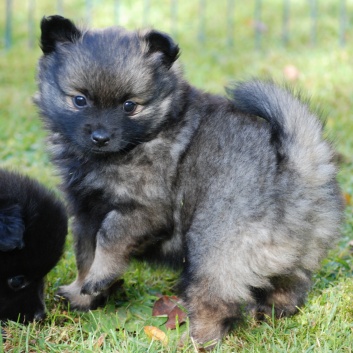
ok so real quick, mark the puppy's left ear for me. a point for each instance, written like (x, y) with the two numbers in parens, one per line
(11, 226)
(57, 29)
(161, 42)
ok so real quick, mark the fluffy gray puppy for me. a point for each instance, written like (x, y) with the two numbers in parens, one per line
(241, 193)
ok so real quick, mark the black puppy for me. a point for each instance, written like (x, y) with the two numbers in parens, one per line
(33, 228)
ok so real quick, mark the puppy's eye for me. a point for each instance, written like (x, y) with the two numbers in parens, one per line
(18, 282)
(79, 101)
(129, 106)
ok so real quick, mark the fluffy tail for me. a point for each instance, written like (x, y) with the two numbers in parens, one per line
(296, 132)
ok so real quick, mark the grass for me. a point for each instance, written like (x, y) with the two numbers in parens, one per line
(325, 323)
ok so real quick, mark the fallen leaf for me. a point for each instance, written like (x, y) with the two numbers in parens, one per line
(164, 305)
(168, 306)
(175, 316)
(156, 334)
(347, 198)
(100, 341)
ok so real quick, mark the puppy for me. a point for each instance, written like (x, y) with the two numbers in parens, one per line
(33, 228)
(239, 192)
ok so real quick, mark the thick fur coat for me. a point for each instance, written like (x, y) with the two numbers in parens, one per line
(239, 192)
(33, 228)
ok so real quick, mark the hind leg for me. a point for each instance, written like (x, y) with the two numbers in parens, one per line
(210, 315)
(286, 295)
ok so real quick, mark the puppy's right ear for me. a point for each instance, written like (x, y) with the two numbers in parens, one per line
(57, 29)
(11, 226)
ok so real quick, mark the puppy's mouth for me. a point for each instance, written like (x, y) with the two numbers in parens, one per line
(102, 143)
(109, 150)
(102, 153)
(99, 151)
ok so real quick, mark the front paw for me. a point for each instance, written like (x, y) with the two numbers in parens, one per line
(95, 288)
(70, 295)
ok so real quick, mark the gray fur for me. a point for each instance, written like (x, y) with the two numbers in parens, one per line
(241, 192)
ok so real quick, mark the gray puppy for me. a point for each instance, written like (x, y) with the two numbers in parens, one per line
(241, 192)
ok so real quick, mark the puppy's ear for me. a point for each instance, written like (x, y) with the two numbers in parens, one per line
(161, 42)
(11, 226)
(57, 29)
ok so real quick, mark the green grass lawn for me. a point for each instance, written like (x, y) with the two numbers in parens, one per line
(325, 73)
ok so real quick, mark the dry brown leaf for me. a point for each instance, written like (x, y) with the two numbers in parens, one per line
(176, 315)
(164, 305)
(347, 198)
(156, 334)
(168, 306)
(100, 340)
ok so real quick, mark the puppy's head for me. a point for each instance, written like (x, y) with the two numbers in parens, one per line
(33, 227)
(106, 91)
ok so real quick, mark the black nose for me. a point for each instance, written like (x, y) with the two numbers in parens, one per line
(100, 137)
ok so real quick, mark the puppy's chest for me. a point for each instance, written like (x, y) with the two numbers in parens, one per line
(127, 183)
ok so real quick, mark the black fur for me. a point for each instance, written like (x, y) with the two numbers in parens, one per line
(11, 226)
(160, 42)
(56, 29)
(33, 228)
